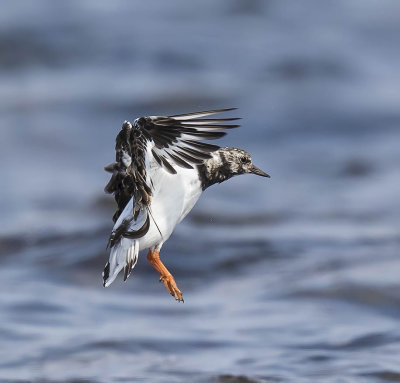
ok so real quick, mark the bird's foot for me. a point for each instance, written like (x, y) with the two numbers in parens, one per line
(166, 276)
(172, 287)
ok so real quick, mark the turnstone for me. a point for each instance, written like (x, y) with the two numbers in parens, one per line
(161, 168)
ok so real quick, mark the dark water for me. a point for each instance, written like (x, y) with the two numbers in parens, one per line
(293, 279)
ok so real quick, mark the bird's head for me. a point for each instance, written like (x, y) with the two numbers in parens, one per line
(238, 161)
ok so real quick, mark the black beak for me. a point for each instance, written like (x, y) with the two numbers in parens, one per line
(259, 172)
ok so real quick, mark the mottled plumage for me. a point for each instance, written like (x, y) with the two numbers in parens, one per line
(224, 164)
(161, 168)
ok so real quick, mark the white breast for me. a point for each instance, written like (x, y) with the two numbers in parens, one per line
(174, 195)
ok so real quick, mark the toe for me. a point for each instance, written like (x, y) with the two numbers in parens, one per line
(172, 287)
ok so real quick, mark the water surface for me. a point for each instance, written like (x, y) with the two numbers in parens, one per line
(292, 279)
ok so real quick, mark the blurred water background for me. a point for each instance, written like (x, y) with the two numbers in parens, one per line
(292, 279)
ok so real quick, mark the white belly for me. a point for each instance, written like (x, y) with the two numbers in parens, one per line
(173, 197)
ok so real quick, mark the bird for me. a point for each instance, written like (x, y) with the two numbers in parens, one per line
(162, 166)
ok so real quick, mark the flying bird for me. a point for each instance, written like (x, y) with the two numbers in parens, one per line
(162, 166)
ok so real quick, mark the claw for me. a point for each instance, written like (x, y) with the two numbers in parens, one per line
(172, 287)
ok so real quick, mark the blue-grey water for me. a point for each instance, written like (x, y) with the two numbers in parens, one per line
(292, 279)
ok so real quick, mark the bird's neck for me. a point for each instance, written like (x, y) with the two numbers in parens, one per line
(215, 170)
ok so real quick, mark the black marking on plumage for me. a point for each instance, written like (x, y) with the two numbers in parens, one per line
(128, 172)
(120, 180)
(180, 162)
(201, 145)
(191, 159)
(130, 263)
(208, 135)
(156, 157)
(211, 120)
(136, 234)
(128, 269)
(141, 191)
(219, 168)
(111, 167)
(116, 234)
(206, 112)
(208, 179)
(180, 134)
(210, 126)
(167, 165)
(195, 153)
(122, 231)
(175, 141)
(106, 273)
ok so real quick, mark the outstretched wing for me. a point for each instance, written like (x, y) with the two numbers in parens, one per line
(172, 141)
(177, 139)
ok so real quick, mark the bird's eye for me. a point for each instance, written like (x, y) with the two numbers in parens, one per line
(244, 160)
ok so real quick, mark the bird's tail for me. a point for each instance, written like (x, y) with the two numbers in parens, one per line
(123, 255)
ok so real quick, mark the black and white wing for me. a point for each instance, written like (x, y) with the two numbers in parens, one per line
(178, 139)
(173, 141)
(169, 141)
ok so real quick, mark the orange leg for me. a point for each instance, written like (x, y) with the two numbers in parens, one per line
(165, 276)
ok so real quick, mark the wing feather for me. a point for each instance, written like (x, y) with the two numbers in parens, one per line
(173, 141)
(177, 139)
(205, 113)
